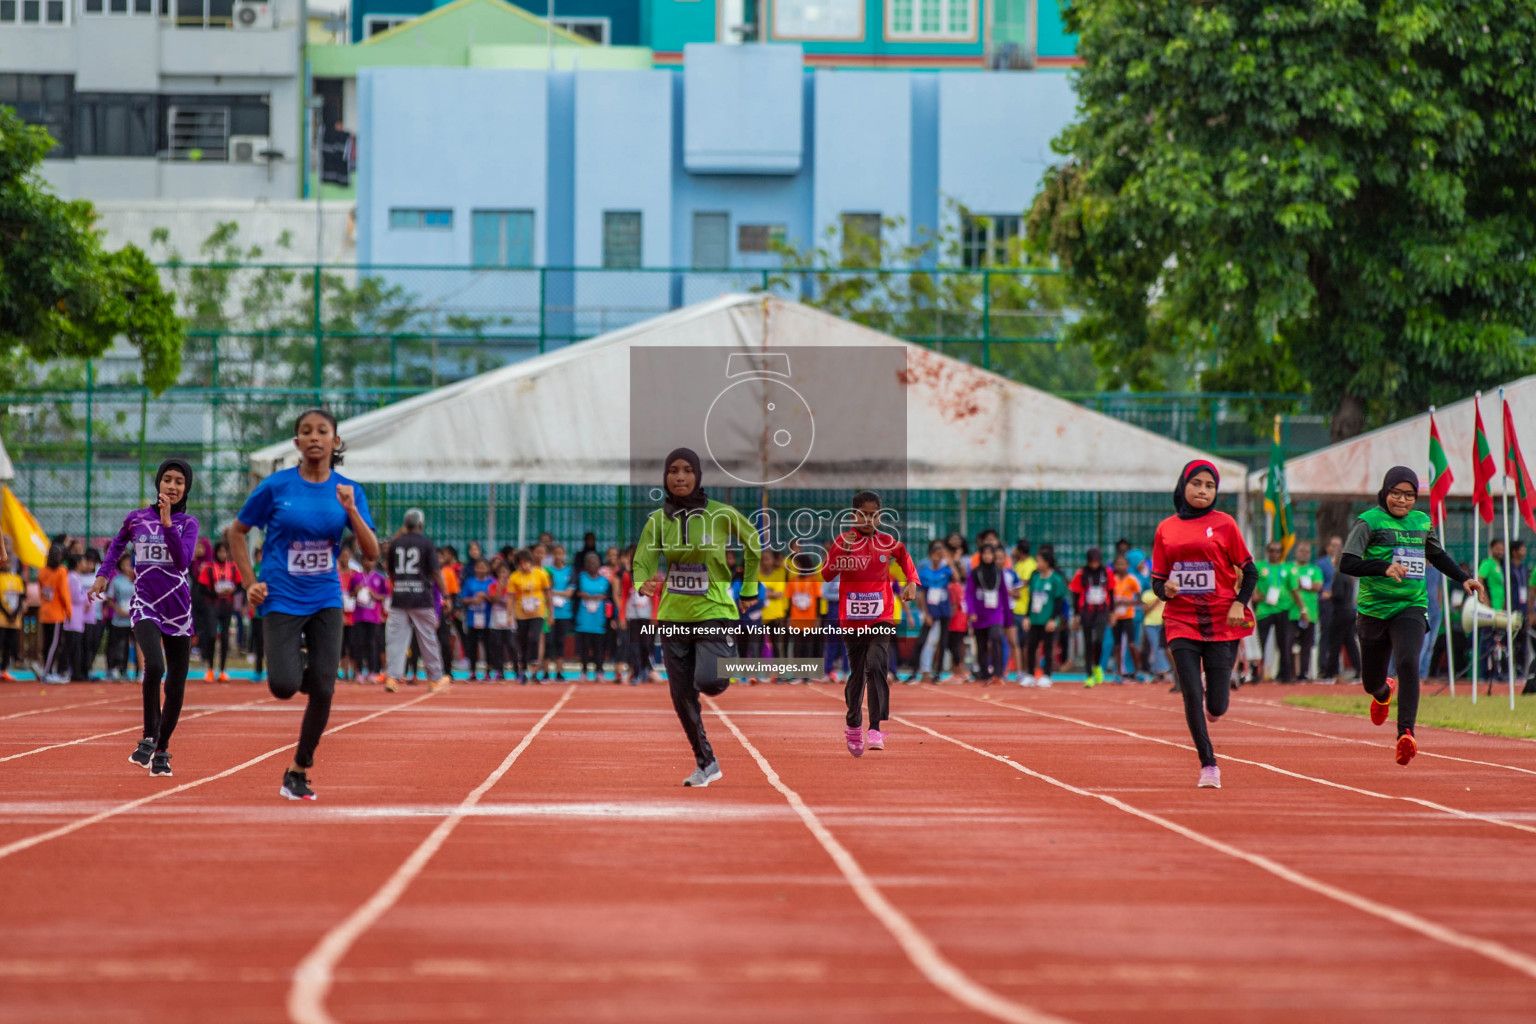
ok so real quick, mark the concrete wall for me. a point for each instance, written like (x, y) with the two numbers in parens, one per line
(262, 223)
(863, 147)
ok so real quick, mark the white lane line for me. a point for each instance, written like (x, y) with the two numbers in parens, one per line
(1441, 808)
(65, 707)
(925, 956)
(314, 974)
(1336, 716)
(1495, 951)
(75, 826)
(132, 728)
(1341, 739)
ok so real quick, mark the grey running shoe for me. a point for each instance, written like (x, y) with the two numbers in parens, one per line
(702, 777)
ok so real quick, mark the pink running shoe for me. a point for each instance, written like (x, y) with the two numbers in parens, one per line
(1210, 777)
(855, 741)
(874, 740)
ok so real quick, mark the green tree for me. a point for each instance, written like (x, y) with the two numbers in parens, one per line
(62, 294)
(1325, 196)
(945, 310)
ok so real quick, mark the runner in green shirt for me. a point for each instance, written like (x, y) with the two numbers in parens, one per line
(1309, 587)
(1274, 599)
(1491, 571)
(1047, 590)
(690, 532)
(1388, 547)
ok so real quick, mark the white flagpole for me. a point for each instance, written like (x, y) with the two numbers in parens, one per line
(1509, 590)
(1445, 583)
(1477, 551)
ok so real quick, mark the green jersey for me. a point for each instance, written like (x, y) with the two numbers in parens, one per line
(698, 580)
(1380, 539)
(1276, 581)
(1309, 583)
(1045, 596)
(1492, 572)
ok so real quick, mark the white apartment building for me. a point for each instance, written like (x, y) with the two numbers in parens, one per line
(161, 99)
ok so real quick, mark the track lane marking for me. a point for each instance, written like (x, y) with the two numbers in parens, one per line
(313, 976)
(1441, 808)
(1492, 950)
(66, 707)
(75, 826)
(921, 950)
(133, 728)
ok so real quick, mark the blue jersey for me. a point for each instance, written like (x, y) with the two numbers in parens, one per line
(476, 616)
(303, 524)
(934, 584)
(591, 604)
(560, 579)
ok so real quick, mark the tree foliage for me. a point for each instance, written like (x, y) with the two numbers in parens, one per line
(1325, 196)
(62, 294)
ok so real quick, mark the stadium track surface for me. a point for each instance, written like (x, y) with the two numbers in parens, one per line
(506, 853)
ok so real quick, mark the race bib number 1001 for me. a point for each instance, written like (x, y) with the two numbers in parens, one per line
(688, 578)
(310, 558)
(1194, 577)
(1411, 559)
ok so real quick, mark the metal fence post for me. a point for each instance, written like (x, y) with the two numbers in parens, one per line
(986, 318)
(143, 437)
(90, 416)
(543, 310)
(317, 326)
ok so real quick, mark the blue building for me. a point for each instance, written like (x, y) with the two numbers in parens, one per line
(610, 22)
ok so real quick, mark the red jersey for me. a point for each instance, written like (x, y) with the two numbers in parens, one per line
(1093, 595)
(865, 595)
(1205, 556)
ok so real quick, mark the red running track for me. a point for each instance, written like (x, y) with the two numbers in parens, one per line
(502, 853)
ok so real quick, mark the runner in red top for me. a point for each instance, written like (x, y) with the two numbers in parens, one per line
(863, 557)
(1202, 568)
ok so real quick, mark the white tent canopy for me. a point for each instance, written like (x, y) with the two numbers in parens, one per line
(564, 417)
(7, 471)
(1354, 468)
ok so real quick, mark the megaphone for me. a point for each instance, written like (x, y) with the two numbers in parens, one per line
(1475, 612)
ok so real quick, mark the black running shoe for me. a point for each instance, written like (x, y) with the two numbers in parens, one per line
(160, 764)
(143, 752)
(296, 786)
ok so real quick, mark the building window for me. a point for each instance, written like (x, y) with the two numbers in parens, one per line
(818, 19)
(931, 19)
(198, 126)
(502, 238)
(34, 12)
(711, 241)
(373, 24)
(985, 240)
(118, 7)
(47, 100)
(861, 239)
(116, 124)
(759, 237)
(420, 220)
(196, 13)
(621, 238)
(595, 29)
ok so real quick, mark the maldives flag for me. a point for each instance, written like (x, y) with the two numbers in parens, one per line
(1483, 468)
(1514, 467)
(1440, 476)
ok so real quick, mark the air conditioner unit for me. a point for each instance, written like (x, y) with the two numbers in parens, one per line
(254, 14)
(248, 149)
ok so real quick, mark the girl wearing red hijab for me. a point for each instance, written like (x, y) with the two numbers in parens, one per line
(1202, 568)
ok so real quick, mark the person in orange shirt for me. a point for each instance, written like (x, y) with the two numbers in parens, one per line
(52, 613)
(1127, 600)
(803, 589)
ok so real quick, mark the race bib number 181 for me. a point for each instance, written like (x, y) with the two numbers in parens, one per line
(151, 552)
(1194, 577)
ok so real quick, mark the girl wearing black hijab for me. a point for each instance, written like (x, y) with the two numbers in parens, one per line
(1387, 549)
(161, 539)
(1093, 587)
(1202, 568)
(690, 532)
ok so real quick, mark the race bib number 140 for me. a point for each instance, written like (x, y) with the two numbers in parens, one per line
(1194, 577)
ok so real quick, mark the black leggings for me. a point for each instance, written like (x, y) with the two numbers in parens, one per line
(1123, 647)
(1039, 639)
(258, 644)
(365, 648)
(1217, 658)
(1399, 639)
(477, 646)
(219, 642)
(289, 639)
(10, 648)
(1285, 636)
(1093, 641)
(164, 657)
(955, 639)
(529, 632)
(680, 657)
(989, 652)
(589, 651)
(868, 658)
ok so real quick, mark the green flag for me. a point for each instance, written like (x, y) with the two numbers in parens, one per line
(1277, 497)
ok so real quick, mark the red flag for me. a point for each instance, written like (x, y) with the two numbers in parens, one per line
(1514, 468)
(1483, 468)
(1440, 476)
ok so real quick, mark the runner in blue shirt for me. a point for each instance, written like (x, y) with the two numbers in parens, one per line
(305, 511)
(561, 609)
(592, 593)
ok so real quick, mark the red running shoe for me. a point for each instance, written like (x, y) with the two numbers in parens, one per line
(1380, 708)
(1407, 746)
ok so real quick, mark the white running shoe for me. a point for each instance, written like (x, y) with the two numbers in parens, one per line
(1025, 680)
(1210, 777)
(1044, 681)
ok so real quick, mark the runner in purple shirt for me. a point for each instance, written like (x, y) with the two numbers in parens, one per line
(161, 540)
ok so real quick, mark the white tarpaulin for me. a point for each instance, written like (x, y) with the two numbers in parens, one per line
(1354, 468)
(564, 417)
(7, 471)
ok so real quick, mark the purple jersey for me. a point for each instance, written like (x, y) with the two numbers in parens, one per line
(369, 590)
(162, 589)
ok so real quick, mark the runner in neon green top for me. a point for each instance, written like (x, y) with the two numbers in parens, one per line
(1388, 548)
(691, 532)
(1491, 572)
(1308, 579)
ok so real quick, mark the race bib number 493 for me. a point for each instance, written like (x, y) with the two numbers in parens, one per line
(1194, 577)
(310, 558)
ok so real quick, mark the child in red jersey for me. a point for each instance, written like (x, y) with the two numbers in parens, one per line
(862, 558)
(1201, 566)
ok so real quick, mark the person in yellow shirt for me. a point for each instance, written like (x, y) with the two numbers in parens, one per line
(1024, 566)
(528, 589)
(13, 600)
(54, 610)
(774, 579)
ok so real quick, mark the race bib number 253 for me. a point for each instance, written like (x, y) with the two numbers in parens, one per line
(1411, 559)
